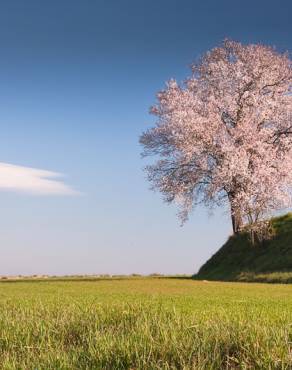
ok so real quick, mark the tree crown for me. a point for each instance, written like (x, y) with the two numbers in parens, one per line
(226, 133)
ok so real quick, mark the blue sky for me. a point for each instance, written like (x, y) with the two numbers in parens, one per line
(77, 79)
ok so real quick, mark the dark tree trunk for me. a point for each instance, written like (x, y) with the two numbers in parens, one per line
(236, 217)
(236, 221)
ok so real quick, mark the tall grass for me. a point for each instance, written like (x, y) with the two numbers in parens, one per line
(145, 324)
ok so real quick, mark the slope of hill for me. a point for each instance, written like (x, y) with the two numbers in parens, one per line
(238, 260)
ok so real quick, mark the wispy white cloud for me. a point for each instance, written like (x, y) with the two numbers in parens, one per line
(32, 180)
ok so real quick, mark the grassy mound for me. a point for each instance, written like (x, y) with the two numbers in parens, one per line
(238, 260)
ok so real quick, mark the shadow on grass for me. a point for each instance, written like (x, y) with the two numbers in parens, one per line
(177, 277)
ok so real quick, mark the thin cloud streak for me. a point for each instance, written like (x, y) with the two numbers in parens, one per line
(32, 181)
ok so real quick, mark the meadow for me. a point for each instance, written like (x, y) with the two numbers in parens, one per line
(144, 323)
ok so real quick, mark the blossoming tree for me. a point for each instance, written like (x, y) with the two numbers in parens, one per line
(225, 134)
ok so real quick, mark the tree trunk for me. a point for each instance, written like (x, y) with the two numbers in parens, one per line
(236, 217)
(236, 222)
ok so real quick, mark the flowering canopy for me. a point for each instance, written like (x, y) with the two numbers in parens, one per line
(225, 134)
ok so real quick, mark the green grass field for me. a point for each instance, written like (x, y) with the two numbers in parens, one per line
(144, 323)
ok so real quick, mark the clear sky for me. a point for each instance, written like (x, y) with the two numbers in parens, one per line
(77, 79)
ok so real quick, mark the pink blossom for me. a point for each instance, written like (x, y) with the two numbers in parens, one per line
(225, 134)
